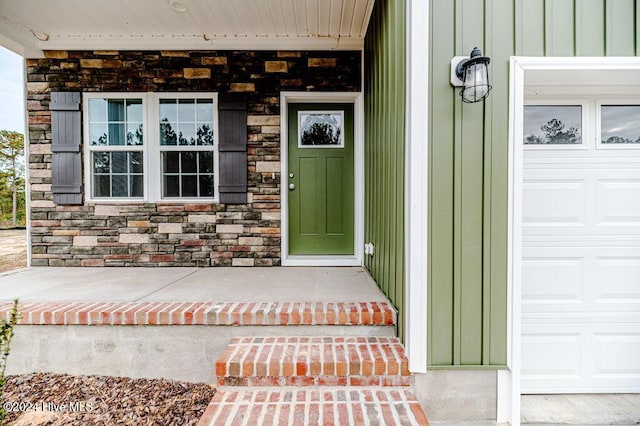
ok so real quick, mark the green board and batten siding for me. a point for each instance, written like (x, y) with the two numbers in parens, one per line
(468, 155)
(385, 148)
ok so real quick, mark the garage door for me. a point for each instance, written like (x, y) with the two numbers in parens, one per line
(581, 246)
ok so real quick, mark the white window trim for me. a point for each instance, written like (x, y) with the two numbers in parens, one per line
(151, 148)
(333, 112)
(611, 101)
(88, 148)
(155, 186)
(591, 115)
(585, 131)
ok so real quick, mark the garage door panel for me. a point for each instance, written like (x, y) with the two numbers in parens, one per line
(554, 203)
(568, 362)
(619, 202)
(553, 279)
(618, 279)
(547, 319)
(585, 356)
(616, 355)
(567, 239)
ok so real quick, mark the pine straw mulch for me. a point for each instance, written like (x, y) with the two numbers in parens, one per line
(101, 400)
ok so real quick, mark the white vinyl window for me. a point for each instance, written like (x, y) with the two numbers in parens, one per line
(619, 123)
(556, 124)
(151, 147)
(587, 122)
(187, 146)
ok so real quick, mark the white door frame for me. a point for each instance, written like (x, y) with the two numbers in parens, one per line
(509, 380)
(357, 99)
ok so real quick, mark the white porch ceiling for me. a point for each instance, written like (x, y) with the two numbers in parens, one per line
(30, 26)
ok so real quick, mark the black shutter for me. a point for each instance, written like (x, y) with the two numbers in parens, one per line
(232, 145)
(66, 164)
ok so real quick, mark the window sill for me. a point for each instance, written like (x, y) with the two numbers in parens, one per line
(137, 201)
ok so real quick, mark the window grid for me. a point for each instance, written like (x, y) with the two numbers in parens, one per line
(200, 175)
(113, 132)
(116, 126)
(150, 149)
(194, 120)
(134, 185)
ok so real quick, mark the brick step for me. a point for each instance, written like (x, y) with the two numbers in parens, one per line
(307, 406)
(309, 361)
(203, 313)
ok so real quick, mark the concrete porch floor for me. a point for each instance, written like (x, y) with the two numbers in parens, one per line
(116, 284)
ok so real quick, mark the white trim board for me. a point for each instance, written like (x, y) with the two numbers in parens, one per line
(357, 99)
(417, 182)
(27, 174)
(532, 71)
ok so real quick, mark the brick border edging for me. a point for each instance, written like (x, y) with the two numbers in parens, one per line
(203, 313)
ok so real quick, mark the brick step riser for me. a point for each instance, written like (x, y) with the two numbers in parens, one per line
(313, 361)
(386, 381)
(204, 313)
(317, 368)
(314, 407)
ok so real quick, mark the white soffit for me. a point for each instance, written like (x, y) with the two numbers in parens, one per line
(36, 25)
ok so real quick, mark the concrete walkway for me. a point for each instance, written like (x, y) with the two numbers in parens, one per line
(274, 284)
(581, 409)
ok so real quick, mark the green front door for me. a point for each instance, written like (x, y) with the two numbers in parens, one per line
(320, 179)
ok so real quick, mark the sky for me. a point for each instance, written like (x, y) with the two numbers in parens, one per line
(11, 91)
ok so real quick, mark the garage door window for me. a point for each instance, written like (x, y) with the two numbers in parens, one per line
(620, 125)
(553, 125)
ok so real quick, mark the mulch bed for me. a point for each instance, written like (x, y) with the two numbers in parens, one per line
(61, 399)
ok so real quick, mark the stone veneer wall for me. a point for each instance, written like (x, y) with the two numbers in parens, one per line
(173, 234)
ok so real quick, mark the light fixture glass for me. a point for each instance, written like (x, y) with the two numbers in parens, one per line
(475, 76)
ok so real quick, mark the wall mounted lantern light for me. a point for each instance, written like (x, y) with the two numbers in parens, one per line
(472, 75)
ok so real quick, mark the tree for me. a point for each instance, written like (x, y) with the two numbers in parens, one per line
(320, 134)
(555, 133)
(11, 157)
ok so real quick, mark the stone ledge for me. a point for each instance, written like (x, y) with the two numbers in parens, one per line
(203, 313)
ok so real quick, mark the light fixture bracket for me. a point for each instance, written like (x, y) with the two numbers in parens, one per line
(455, 80)
(460, 65)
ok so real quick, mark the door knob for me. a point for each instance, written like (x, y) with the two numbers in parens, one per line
(292, 186)
(290, 175)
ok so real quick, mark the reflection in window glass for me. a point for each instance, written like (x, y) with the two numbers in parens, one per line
(187, 174)
(115, 122)
(117, 174)
(187, 145)
(320, 128)
(620, 124)
(116, 145)
(552, 124)
(187, 122)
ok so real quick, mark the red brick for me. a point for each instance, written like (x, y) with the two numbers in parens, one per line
(199, 207)
(92, 262)
(193, 243)
(221, 313)
(162, 258)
